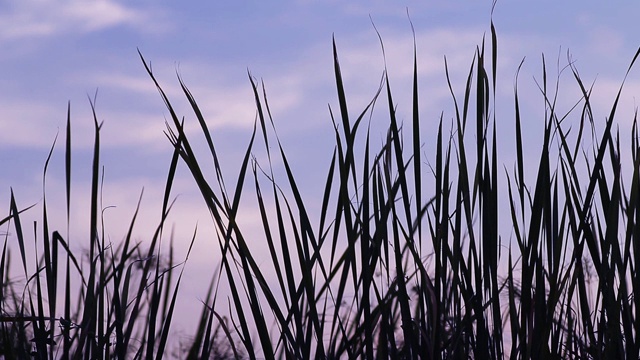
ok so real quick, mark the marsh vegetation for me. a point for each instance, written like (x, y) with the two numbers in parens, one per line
(403, 258)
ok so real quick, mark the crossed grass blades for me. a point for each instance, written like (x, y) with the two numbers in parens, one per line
(389, 269)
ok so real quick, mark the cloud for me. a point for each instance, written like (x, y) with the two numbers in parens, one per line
(223, 103)
(28, 124)
(45, 18)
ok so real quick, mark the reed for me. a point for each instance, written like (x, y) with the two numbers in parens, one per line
(401, 260)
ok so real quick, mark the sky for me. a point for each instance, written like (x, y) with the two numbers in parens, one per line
(76, 52)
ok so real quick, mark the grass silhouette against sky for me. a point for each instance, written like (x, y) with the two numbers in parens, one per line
(63, 51)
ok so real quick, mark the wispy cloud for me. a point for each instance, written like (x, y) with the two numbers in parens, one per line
(29, 124)
(45, 18)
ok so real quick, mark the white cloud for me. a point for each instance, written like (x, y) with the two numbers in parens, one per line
(43, 18)
(140, 84)
(100, 14)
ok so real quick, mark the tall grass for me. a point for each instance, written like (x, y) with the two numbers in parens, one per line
(116, 301)
(387, 267)
(392, 269)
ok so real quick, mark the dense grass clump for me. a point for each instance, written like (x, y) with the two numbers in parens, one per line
(401, 260)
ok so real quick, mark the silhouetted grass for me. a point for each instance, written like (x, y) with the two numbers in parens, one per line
(389, 268)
